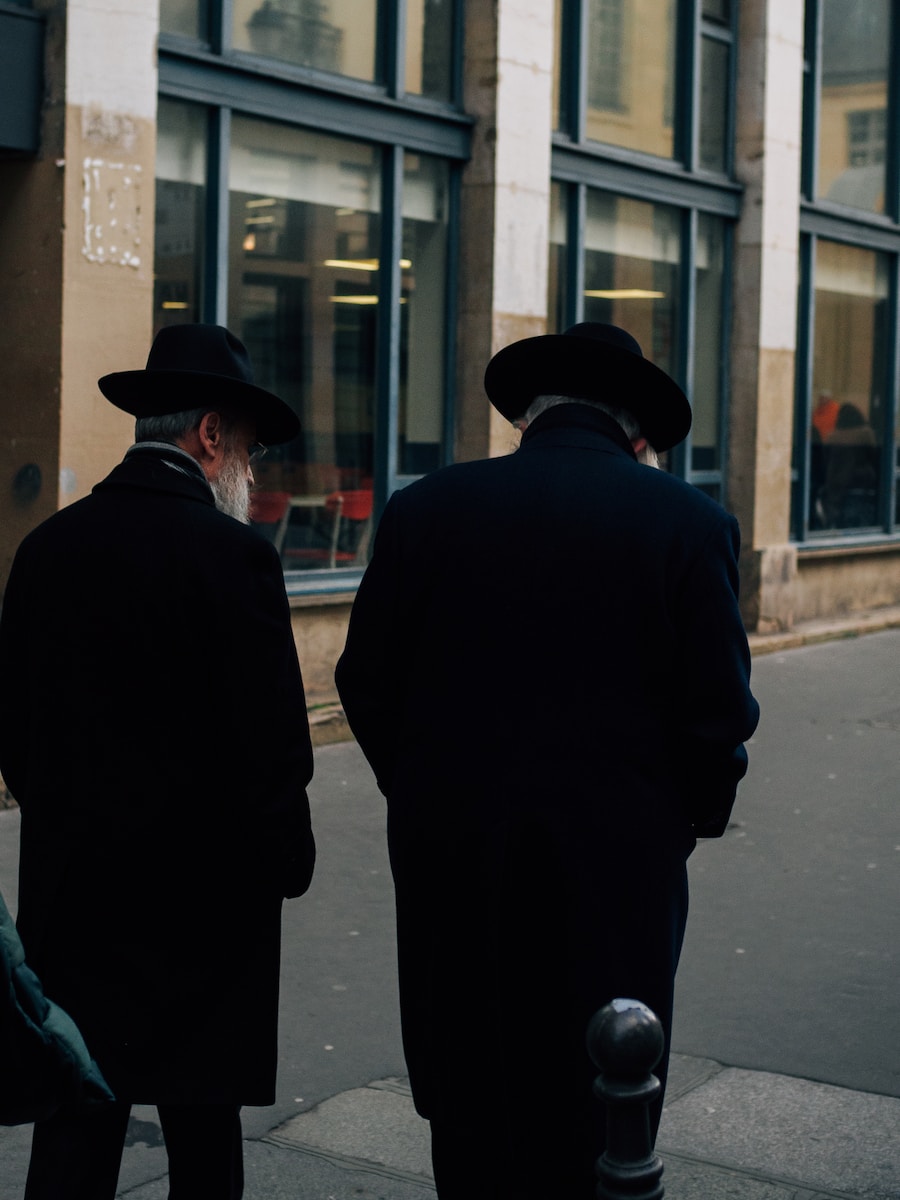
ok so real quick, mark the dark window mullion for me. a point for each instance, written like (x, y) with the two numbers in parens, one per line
(215, 275)
(892, 166)
(892, 369)
(680, 456)
(387, 365)
(576, 211)
(578, 27)
(687, 68)
(812, 91)
(392, 23)
(725, 364)
(450, 313)
(806, 315)
(221, 22)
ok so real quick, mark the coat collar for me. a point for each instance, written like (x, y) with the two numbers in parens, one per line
(160, 467)
(576, 425)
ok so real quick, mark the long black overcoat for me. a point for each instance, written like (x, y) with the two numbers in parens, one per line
(153, 730)
(548, 672)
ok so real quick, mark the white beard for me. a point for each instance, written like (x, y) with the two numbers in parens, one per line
(231, 489)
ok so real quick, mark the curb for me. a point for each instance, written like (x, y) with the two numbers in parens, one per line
(809, 633)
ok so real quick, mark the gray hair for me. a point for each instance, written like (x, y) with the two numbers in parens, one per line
(623, 417)
(627, 420)
(168, 428)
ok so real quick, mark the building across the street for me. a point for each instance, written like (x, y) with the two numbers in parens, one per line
(376, 195)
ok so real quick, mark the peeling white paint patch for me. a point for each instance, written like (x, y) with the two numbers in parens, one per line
(111, 208)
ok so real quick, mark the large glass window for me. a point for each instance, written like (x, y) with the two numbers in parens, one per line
(429, 33)
(849, 387)
(356, 39)
(181, 172)
(632, 255)
(635, 240)
(331, 35)
(853, 102)
(317, 220)
(305, 293)
(624, 75)
(847, 427)
(183, 17)
(420, 431)
(631, 74)
(659, 272)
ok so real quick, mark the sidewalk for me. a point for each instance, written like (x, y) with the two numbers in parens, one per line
(741, 1135)
(726, 1134)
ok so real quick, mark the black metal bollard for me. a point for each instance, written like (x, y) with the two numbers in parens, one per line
(625, 1041)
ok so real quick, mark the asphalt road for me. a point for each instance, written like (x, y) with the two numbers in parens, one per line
(792, 957)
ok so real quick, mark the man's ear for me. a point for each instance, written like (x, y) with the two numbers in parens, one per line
(209, 432)
(638, 444)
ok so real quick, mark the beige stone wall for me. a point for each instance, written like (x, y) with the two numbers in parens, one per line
(320, 630)
(76, 240)
(840, 582)
(767, 161)
(110, 149)
(506, 203)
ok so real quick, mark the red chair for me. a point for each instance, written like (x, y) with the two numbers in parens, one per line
(351, 520)
(272, 509)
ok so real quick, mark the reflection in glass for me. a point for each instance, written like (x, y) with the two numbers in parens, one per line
(717, 10)
(422, 315)
(184, 17)
(856, 37)
(713, 104)
(631, 271)
(303, 271)
(631, 74)
(331, 35)
(848, 402)
(429, 48)
(304, 245)
(180, 212)
(706, 393)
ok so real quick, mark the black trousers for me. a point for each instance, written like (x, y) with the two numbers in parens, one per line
(76, 1153)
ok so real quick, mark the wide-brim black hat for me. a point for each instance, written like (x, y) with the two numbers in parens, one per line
(190, 366)
(590, 361)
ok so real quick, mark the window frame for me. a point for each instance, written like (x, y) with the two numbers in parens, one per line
(828, 220)
(578, 164)
(222, 81)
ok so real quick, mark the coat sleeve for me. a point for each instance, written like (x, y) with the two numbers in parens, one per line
(279, 732)
(719, 712)
(370, 671)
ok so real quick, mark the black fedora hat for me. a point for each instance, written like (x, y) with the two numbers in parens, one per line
(190, 366)
(590, 361)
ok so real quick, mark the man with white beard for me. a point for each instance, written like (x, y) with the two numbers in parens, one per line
(153, 730)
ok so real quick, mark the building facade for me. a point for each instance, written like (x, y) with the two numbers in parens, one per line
(376, 195)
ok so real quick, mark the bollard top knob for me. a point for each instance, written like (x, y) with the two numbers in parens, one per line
(625, 1038)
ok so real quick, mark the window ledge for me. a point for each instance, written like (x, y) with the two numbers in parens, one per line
(845, 549)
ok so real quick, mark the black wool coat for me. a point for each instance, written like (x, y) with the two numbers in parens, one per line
(153, 730)
(548, 672)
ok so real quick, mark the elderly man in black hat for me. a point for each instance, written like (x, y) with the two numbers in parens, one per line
(547, 670)
(153, 729)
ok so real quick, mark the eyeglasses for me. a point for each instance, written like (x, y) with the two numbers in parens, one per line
(255, 452)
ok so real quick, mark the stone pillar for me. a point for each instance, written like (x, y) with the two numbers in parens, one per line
(504, 236)
(767, 161)
(76, 242)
